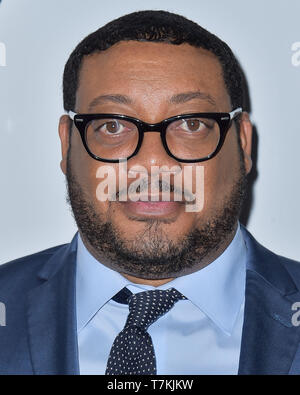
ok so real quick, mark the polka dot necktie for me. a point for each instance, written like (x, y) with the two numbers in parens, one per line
(132, 351)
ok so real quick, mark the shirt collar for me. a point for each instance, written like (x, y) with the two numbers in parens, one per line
(217, 290)
(96, 284)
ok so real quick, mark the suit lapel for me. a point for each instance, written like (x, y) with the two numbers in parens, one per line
(52, 316)
(269, 339)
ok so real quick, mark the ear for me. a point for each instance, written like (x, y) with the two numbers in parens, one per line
(63, 130)
(246, 139)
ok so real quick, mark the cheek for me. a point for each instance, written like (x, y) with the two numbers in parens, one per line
(221, 172)
(85, 170)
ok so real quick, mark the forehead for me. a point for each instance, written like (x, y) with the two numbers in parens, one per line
(151, 71)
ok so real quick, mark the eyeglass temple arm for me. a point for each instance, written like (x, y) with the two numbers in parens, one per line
(71, 114)
(236, 112)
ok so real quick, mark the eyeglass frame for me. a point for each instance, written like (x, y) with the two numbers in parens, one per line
(223, 119)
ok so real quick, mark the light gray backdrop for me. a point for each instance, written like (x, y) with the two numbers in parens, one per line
(38, 36)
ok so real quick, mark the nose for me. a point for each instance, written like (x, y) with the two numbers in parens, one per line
(153, 153)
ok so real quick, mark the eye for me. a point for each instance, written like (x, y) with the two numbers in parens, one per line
(111, 127)
(192, 125)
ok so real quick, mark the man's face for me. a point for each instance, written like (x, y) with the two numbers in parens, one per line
(163, 241)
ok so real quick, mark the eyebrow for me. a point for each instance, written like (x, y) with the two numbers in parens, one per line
(187, 96)
(175, 99)
(119, 99)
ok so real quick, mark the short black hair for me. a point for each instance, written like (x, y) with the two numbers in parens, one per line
(153, 26)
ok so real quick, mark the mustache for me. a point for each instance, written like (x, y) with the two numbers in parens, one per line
(160, 186)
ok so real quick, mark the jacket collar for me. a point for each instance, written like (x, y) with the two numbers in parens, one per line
(267, 265)
(58, 260)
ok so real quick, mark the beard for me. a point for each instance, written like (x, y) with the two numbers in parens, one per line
(153, 254)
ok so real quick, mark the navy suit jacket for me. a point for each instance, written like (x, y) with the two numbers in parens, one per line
(40, 335)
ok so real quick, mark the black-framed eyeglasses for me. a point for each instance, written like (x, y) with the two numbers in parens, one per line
(187, 138)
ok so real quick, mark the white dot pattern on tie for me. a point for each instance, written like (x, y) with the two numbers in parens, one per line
(132, 351)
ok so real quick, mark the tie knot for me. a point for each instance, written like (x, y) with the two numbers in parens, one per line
(146, 307)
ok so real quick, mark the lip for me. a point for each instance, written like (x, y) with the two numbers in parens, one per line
(151, 209)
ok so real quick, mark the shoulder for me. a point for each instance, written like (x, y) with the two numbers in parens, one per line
(293, 267)
(22, 273)
(269, 264)
(28, 262)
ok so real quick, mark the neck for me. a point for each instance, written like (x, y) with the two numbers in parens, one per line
(157, 282)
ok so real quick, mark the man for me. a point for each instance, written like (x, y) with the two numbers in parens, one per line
(153, 286)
